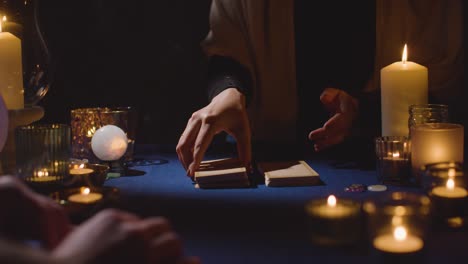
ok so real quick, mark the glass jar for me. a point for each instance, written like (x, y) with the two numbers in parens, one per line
(427, 113)
(25, 68)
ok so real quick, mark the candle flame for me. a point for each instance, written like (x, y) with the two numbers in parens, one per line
(450, 184)
(85, 190)
(91, 131)
(400, 233)
(451, 172)
(404, 57)
(81, 166)
(42, 173)
(331, 201)
(396, 154)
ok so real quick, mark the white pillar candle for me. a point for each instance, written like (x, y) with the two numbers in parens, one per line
(402, 84)
(11, 70)
(436, 142)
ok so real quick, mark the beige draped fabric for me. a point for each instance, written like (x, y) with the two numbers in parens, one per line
(260, 35)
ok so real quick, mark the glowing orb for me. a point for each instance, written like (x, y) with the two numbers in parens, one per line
(109, 143)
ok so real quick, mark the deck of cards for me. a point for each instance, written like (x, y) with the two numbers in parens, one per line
(288, 173)
(221, 173)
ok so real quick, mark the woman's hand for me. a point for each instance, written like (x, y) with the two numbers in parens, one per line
(226, 112)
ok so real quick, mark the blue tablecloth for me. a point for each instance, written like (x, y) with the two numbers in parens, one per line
(260, 224)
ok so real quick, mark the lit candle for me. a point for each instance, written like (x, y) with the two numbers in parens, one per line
(398, 242)
(450, 190)
(43, 176)
(332, 209)
(81, 170)
(436, 142)
(85, 196)
(329, 221)
(11, 70)
(403, 83)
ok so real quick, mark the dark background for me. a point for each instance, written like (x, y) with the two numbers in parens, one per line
(144, 54)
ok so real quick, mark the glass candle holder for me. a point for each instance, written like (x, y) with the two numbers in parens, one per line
(393, 159)
(446, 185)
(86, 121)
(397, 226)
(42, 155)
(427, 113)
(86, 174)
(435, 142)
(334, 222)
(26, 68)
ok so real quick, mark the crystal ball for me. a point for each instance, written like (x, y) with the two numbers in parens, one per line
(109, 143)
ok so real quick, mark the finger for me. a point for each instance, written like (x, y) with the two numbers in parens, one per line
(318, 134)
(328, 142)
(153, 227)
(165, 247)
(244, 147)
(329, 98)
(204, 138)
(186, 142)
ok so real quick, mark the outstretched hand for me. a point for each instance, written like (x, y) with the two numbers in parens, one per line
(226, 112)
(344, 110)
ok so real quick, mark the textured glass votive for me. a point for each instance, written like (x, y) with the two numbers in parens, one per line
(334, 221)
(427, 113)
(397, 225)
(42, 154)
(85, 122)
(393, 159)
(435, 142)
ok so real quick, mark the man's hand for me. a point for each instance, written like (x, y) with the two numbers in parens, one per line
(226, 112)
(344, 110)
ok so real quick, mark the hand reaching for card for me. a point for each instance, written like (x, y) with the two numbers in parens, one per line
(226, 112)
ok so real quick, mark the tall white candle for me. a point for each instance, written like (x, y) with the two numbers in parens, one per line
(11, 75)
(403, 83)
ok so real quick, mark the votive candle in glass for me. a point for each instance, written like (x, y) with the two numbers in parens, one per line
(397, 225)
(435, 142)
(334, 221)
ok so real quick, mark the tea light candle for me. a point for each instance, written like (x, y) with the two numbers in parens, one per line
(332, 209)
(81, 170)
(450, 190)
(398, 242)
(403, 83)
(330, 219)
(450, 200)
(43, 176)
(85, 196)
